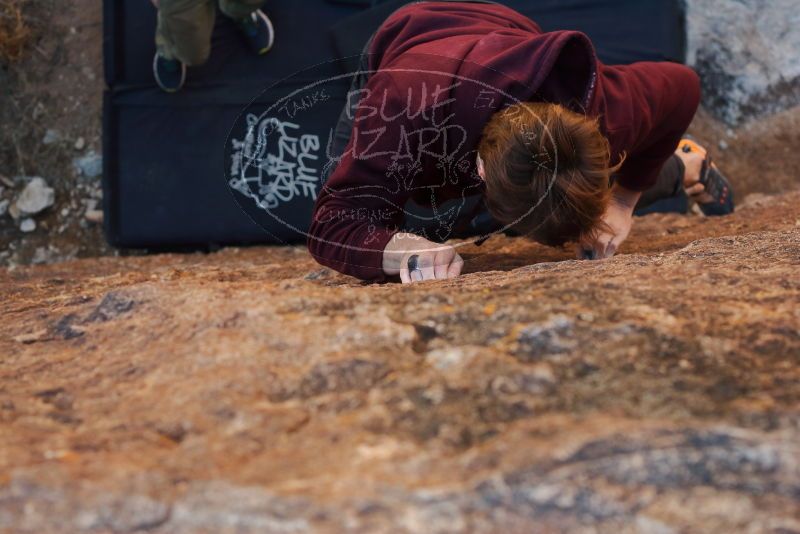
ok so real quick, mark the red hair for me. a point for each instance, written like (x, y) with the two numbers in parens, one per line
(547, 171)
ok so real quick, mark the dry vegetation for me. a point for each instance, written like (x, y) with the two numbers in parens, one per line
(15, 31)
(50, 81)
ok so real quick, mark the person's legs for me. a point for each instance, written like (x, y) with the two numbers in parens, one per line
(688, 174)
(184, 30)
(667, 195)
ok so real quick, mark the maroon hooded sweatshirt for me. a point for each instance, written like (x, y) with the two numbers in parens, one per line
(442, 70)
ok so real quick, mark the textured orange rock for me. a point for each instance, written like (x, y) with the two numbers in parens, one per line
(252, 390)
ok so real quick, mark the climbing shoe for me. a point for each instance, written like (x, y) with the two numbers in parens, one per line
(713, 180)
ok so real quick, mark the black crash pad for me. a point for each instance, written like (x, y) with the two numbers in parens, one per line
(167, 157)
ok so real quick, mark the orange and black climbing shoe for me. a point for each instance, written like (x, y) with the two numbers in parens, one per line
(714, 181)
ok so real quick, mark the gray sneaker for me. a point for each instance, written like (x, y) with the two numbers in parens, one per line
(170, 74)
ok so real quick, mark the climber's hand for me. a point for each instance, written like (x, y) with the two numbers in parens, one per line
(415, 259)
(618, 220)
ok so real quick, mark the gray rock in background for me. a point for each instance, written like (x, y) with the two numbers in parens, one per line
(27, 225)
(746, 52)
(90, 165)
(50, 137)
(36, 196)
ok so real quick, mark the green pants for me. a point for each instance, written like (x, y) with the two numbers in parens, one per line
(185, 26)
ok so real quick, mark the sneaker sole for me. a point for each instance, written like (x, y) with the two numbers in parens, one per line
(268, 22)
(158, 82)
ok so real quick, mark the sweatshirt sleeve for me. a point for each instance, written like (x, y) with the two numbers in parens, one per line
(361, 205)
(648, 106)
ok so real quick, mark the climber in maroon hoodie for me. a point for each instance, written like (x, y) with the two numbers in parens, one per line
(468, 119)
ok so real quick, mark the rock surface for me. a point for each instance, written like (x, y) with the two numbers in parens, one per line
(746, 54)
(252, 390)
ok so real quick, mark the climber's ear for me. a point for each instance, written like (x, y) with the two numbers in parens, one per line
(481, 169)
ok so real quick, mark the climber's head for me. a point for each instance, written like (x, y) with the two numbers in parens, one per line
(546, 170)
